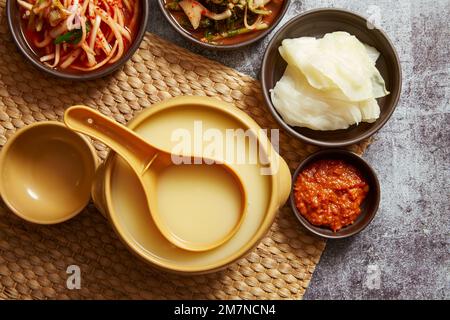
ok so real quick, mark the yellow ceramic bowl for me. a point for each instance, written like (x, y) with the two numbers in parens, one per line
(118, 194)
(46, 172)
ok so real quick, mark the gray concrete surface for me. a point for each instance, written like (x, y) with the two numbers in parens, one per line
(404, 253)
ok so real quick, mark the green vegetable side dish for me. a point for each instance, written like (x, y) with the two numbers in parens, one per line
(224, 21)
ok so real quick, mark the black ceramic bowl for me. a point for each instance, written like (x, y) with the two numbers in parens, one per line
(15, 26)
(187, 35)
(369, 207)
(317, 23)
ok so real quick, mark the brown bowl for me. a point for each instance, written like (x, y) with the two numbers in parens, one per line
(187, 35)
(15, 26)
(317, 23)
(369, 207)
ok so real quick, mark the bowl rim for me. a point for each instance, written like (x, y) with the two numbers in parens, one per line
(16, 32)
(274, 203)
(311, 158)
(186, 35)
(5, 152)
(379, 124)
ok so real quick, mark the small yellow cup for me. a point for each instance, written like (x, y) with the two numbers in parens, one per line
(46, 172)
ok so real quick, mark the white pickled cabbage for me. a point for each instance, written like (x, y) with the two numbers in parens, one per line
(329, 85)
(302, 105)
(338, 60)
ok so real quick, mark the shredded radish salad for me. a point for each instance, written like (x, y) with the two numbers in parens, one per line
(80, 35)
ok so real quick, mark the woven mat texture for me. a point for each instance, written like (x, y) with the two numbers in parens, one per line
(34, 259)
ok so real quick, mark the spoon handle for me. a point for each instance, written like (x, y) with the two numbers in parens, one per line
(136, 151)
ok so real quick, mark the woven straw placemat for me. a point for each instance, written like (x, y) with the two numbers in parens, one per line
(34, 259)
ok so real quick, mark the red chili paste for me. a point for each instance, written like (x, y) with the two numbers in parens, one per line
(329, 193)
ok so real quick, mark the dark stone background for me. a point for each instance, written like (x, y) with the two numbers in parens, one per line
(407, 244)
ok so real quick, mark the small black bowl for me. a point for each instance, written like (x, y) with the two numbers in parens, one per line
(317, 23)
(15, 26)
(369, 207)
(187, 35)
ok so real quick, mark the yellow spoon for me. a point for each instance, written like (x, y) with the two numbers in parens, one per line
(150, 163)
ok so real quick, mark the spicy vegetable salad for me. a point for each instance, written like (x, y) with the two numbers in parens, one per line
(224, 21)
(82, 35)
